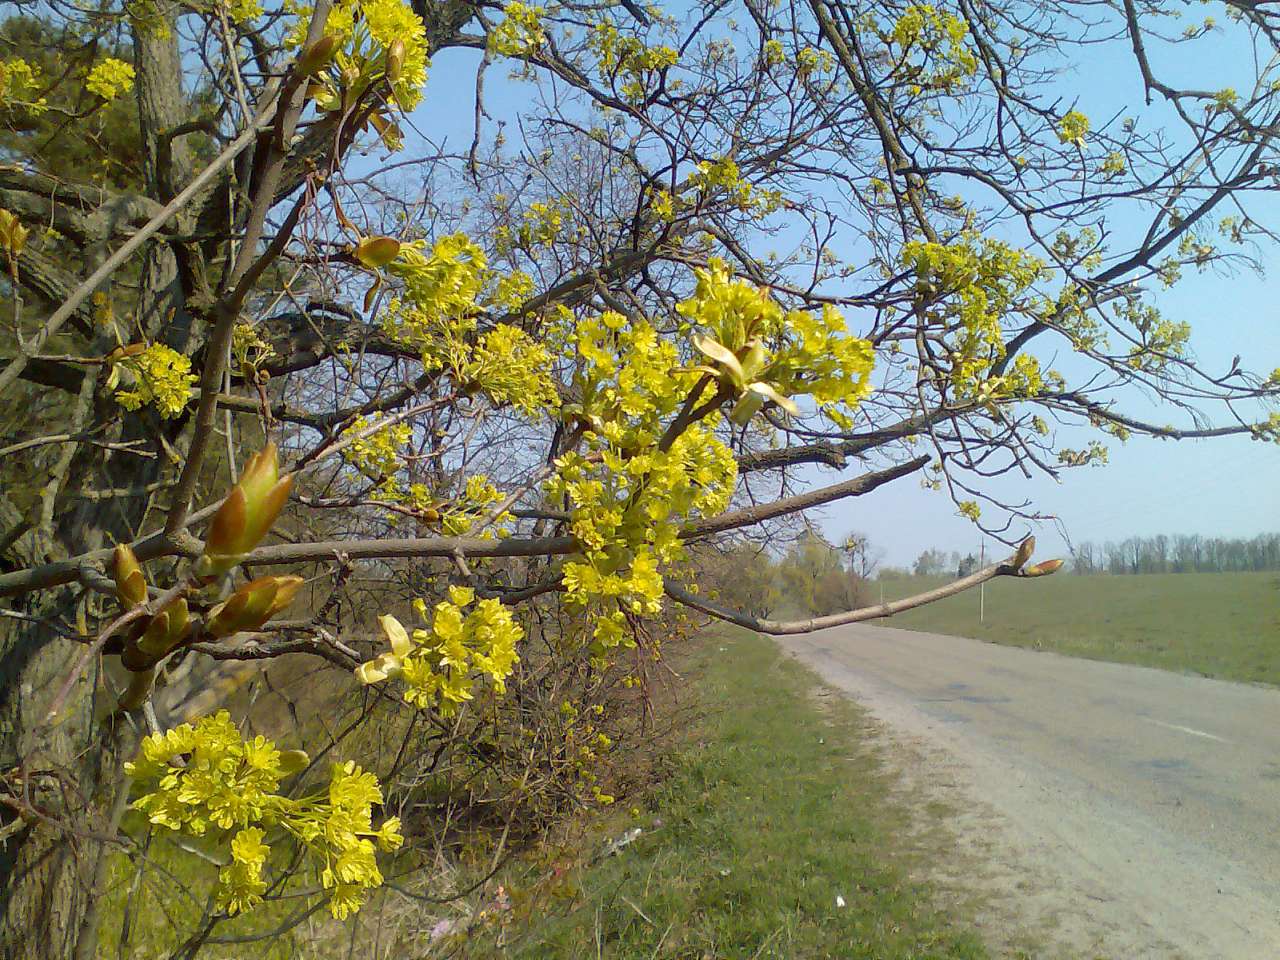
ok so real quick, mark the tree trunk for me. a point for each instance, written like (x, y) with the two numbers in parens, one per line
(64, 777)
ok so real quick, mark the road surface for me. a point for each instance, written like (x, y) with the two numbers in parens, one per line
(1140, 808)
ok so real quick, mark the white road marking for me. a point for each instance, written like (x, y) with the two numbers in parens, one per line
(1190, 730)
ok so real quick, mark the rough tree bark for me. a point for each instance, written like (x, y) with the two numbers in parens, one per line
(69, 775)
(53, 856)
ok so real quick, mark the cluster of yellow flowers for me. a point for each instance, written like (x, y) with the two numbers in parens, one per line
(583, 745)
(511, 367)
(938, 37)
(439, 665)
(711, 176)
(626, 493)
(162, 378)
(19, 84)
(1114, 164)
(511, 291)
(242, 11)
(442, 285)
(249, 349)
(1073, 127)
(627, 512)
(438, 317)
(1271, 429)
(774, 53)
(1160, 340)
(379, 40)
(970, 284)
(1225, 99)
(641, 474)
(542, 224)
(376, 455)
(520, 32)
(110, 78)
(663, 205)
(205, 777)
(641, 477)
(763, 352)
(810, 60)
(460, 514)
(628, 59)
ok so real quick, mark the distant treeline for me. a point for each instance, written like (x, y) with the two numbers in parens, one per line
(1179, 553)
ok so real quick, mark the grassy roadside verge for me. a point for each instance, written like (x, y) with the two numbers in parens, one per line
(773, 807)
(1224, 625)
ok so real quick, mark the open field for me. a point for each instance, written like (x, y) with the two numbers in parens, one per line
(773, 808)
(1224, 625)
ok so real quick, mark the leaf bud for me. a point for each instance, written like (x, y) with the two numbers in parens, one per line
(252, 605)
(376, 252)
(395, 60)
(1023, 554)
(248, 512)
(131, 583)
(1043, 569)
(293, 761)
(317, 56)
(164, 632)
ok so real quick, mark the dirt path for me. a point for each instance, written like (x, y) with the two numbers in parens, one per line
(1110, 811)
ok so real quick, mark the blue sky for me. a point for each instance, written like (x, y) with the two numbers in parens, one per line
(1227, 487)
(1220, 487)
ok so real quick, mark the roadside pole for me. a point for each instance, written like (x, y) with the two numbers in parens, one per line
(982, 587)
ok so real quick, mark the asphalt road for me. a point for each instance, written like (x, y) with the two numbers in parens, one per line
(1148, 801)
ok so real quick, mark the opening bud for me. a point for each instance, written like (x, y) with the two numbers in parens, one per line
(140, 685)
(396, 635)
(164, 632)
(248, 512)
(1043, 569)
(748, 406)
(252, 605)
(387, 666)
(122, 353)
(13, 235)
(388, 130)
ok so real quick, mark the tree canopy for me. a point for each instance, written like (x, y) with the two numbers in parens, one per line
(480, 322)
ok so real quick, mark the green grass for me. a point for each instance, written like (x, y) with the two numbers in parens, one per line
(1224, 625)
(767, 800)
(773, 807)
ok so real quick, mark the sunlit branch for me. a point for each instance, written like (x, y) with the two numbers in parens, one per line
(1012, 567)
